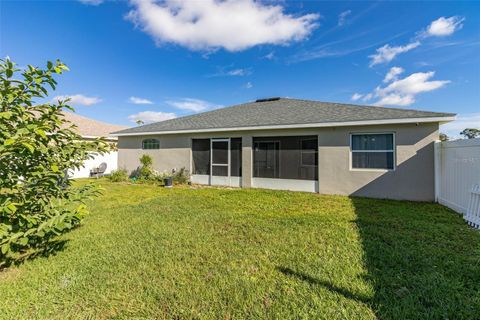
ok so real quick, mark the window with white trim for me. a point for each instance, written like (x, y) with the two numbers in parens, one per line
(373, 151)
(150, 144)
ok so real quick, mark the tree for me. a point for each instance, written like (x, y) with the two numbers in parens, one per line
(37, 148)
(444, 137)
(470, 133)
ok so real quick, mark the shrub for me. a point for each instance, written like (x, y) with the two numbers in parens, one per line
(146, 160)
(37, 148)
(182, 176)
(146, 171)
(119, 175)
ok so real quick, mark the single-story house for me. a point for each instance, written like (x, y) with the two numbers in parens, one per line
(91, 129)
(292, 144)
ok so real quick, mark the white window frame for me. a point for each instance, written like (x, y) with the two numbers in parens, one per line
(394, 148)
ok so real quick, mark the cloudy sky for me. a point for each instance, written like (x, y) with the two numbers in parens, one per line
(156, 60)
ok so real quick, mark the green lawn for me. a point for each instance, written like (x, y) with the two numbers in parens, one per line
(148, 252)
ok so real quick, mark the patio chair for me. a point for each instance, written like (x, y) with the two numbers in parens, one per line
(99, 171)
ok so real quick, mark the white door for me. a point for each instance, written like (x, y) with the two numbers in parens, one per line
(220, 162)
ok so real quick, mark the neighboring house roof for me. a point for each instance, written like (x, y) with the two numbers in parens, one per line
(286, 113)
(90, 128)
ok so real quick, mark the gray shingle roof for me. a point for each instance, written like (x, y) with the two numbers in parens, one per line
(91, 128)
(281, 112)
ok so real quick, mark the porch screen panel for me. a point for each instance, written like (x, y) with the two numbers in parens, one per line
(293, 157)
(236, 157)
(201, 156)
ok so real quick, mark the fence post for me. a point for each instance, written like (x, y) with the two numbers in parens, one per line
(437, 168)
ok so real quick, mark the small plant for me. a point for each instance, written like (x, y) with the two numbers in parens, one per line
(119, 175)
(182, 176)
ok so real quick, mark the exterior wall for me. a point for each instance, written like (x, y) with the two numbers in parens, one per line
(412, 179)
(84, 172)
(285, 184)
(247, 161)
(174, 152)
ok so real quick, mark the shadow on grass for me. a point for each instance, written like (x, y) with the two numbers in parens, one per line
(422, 260)
(314, 281)
(48, 249)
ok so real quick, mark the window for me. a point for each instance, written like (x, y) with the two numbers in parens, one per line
(149, 144)
(309, 153)
(291, 157)
(373, 151)
(201, 156)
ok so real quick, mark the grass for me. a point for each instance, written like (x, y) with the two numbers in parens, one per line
(150, 252)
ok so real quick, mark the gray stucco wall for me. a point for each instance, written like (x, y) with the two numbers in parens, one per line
(174, 152)
(413, 178)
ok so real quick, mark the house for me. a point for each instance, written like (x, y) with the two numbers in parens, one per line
(91, 129)
(293, 144)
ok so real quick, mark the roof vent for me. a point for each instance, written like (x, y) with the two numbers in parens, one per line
(268, 99)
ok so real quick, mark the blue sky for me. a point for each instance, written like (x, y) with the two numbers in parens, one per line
(155, 60)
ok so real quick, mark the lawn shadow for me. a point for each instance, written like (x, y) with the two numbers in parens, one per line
(314, 281)
(422, 260)
(50, 248)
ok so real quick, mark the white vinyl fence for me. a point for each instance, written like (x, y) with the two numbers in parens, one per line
(457, 177)
(109, 158)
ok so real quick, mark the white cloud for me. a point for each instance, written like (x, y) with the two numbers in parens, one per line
(367, 97)
(343, 16)
(363, 97)
(189, 104)
(453, 129)
(356, 96)
(239, 72)
(151, 116)
(92, 2)
(438, 28)
(402, 92)
(137, 100)
(415, 83)
(270, 56)
(79, 99)
(444, 26)
(393, 74)
(388, 53)
(227, 72)
(248, 85)
(209, 25)
(396, 99)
